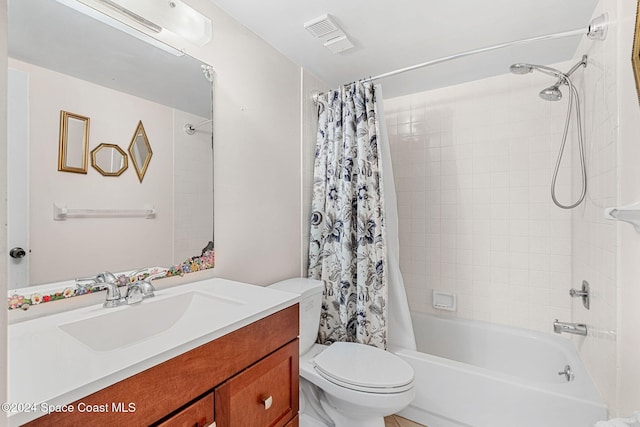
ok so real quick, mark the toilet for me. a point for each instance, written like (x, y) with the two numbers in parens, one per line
(344, 384)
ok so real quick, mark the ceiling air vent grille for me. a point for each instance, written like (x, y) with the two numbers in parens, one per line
(321, 26)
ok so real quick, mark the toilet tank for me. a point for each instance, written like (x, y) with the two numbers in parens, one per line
(310, 291)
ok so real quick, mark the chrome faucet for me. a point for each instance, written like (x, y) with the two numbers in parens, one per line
(135, 293)
(148, 290)
(114, 299)
(570, 328)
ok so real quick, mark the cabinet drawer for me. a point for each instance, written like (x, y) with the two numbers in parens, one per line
(264, 395)
(198, 414)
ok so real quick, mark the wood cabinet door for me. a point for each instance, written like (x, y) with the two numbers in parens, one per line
(264, 395)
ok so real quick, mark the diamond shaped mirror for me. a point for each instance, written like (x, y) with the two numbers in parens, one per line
(140, 151)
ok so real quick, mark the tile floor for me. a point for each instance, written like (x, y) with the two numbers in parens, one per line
(396, 421)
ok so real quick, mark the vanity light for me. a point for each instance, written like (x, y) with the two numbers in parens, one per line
(145, 18)
(102, 16)
(172, 16)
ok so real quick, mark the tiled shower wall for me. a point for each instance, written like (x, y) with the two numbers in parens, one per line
(473, 165)
(595, 238)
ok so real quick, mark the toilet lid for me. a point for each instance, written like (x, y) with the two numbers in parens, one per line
(363, 367)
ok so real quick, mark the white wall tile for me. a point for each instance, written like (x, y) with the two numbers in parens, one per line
(495, 237)
(487, 215)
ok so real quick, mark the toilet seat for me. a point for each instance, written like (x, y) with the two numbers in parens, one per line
(370, 369)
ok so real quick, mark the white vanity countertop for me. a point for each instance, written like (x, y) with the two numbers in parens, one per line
(48, 365)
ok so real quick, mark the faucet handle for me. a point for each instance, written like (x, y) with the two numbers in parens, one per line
(148, 290)
(134, 293)
(106, 277)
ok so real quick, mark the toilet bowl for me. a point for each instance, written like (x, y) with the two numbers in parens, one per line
(345, 384)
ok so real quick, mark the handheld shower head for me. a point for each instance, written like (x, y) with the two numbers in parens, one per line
(552, 93)
(521, 68)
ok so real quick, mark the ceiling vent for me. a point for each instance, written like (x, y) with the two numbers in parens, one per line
(321, 26)
(334, 37)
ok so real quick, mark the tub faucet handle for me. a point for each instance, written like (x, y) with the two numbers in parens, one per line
(584, 293)
(568, 373)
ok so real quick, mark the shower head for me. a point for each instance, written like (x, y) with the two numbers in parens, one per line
(552, 93)
(521, 68)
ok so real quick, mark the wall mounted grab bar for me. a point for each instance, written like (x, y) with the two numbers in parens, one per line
(61, 213)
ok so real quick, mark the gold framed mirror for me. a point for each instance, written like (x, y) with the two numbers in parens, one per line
(109, 160)
(140, 151)
(635, 54)
(74, 143)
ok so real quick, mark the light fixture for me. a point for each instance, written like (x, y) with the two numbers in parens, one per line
(173, 16)
(119, 25)
(150, 20)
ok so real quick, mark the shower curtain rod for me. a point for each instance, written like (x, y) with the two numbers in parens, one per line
(191, 129)
(595, 30)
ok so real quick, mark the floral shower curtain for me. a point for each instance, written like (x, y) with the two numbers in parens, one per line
(347, 249)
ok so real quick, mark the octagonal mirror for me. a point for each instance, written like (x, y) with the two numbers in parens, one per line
(140, 151)
(109, 159)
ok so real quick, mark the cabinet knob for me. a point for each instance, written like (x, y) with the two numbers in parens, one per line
(267, 402)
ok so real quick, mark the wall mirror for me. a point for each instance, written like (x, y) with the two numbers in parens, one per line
(140, 151)
(635, 54)
(47, 38)
(74, 143)
(109, 160)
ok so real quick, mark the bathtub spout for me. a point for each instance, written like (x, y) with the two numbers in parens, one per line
(570, 328)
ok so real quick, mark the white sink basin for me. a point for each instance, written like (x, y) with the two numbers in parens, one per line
(130, 324)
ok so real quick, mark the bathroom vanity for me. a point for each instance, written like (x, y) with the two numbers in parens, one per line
(243, 372)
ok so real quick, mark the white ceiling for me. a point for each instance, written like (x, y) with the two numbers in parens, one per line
(389, 35)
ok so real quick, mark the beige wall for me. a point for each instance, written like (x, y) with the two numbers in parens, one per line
(257, 153)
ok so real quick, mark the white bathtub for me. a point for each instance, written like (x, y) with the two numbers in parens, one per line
(477, 374)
